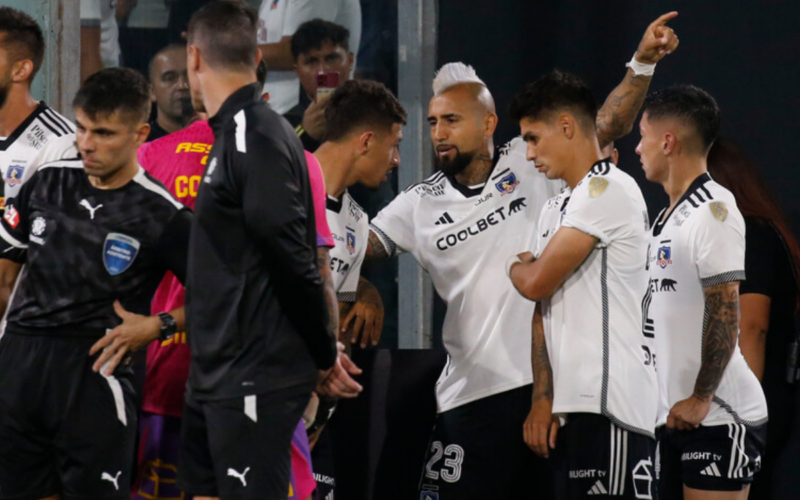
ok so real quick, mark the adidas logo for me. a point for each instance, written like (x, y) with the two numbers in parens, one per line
(597, 489)
(711, 470)
(444, 219)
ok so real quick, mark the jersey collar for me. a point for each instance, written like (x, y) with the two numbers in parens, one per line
(234, 103)
(334, 204)
(470, 191)
(693, 187)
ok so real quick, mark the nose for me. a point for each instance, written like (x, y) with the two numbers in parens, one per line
(639, 148)
(531, 153)
(438, 132)
(84, 141)
(183, 81)
(396, 158)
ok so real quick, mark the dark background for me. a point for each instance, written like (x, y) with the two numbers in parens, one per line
(744, 53)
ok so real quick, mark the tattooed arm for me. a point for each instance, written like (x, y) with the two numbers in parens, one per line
(375, 249)
(541, 426)
(615, 119)
(719, 342)
(324, 265)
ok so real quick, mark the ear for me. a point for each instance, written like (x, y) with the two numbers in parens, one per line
(365, 142)
(489, 125)
(670, 144)
(193, 58)
(22, 70)
(566, 125)
(615, 156)
(141, 133)
(258, 57)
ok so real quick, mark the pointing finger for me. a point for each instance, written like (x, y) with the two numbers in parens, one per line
(665, 18)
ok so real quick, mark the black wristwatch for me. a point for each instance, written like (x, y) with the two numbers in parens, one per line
(168, 326)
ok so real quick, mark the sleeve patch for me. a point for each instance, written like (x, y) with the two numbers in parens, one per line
(719, 210)
(597, 186)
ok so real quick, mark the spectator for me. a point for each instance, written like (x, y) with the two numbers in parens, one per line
(277, 22)
(169, 91)
(99, 37)
(770, 298)
(317, 46)
(143, 31)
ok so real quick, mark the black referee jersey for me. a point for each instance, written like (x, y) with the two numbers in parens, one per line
(84, 248)
(255, 303)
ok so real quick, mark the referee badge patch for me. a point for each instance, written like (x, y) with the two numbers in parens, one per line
(596, 186)
(719, 210)
(119, 252)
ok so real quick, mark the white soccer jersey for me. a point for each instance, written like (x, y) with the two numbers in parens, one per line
(350, 228)
(701, 243)
(463, 236)
(43, 137)
(103, 13)
(593, 322)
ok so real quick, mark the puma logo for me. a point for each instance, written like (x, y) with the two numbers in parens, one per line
(85, 204)
(111, 479)
(238, 476)
(668, 285)
(516, 205)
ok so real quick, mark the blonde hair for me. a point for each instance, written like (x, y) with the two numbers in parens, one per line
(452, 74)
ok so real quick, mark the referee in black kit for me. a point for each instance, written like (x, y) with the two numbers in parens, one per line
(96, 235)
(260, 331)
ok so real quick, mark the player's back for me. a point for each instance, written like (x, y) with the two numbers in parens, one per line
(700, 244)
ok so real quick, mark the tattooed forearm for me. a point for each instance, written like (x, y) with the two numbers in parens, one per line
(540, 362)
(719, 338)
(615, 119)
(324, 266)
(375, 249)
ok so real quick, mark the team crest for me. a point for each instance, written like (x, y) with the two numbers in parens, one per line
(507, 184)
(428, 495)
(119, 252)
(14, 175)
(719, 210)
(596, 186)
(38, 226)
(351, 243)
(664, 257)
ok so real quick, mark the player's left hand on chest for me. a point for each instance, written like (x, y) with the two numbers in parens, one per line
(135, 332)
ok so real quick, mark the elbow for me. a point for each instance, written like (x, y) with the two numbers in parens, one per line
(533, 289)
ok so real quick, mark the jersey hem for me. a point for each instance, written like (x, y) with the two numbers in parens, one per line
(483, 394)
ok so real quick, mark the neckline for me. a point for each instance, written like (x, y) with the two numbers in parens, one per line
(694, 186)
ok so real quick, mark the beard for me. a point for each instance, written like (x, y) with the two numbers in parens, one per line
(456, 165)
(5, 88)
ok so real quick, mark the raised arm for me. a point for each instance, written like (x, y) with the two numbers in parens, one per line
(719, 341)
(615, 119)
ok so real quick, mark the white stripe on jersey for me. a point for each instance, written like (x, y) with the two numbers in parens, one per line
(141, 179)
(241, 129)
(10, 239)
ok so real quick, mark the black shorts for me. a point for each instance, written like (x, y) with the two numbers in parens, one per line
(322, 460)
(477, 452)
(240, 448)
(594, 457)
(712, 458)
(64, 430)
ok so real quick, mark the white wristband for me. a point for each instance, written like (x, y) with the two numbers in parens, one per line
(510, 262)
(640, 69)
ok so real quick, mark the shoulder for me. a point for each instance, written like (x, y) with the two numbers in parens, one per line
(712, 204)
(156, 191)
(434, 186)
(605, 178)
(59, 148)
(54, 121)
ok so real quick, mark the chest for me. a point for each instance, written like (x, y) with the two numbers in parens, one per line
(350, 230)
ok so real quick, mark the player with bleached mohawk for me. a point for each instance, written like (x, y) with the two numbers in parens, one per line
(461, 224)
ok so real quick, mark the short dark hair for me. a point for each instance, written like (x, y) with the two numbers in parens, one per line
(114, 89)
(227, 32)
(690, 104)
(360, 103)
(23, 37)
(312, 34)
(556, 91)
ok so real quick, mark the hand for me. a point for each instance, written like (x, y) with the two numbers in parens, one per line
(541, 428)
(336, 382)
(314, 119)
(135, 332)
(526, 257)
(658, 40)
(366, 314)
(686, 415)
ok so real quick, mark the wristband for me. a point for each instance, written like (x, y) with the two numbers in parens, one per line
(510, 262)
(640, 69)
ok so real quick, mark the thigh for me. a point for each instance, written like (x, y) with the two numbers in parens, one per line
(95, 441)
(159, 448)
(27, 457)
(668, 467)
(721, 457)
(250, 442)
(595, 457)
(195, 465)
(322, 458)
(477, 451)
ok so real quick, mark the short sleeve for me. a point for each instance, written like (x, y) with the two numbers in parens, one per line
(297, 12)
(347, 292)
(394, 225)
(324, 236)
(598, 207)
(718, 239)
(90, 13)
(763, 257)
